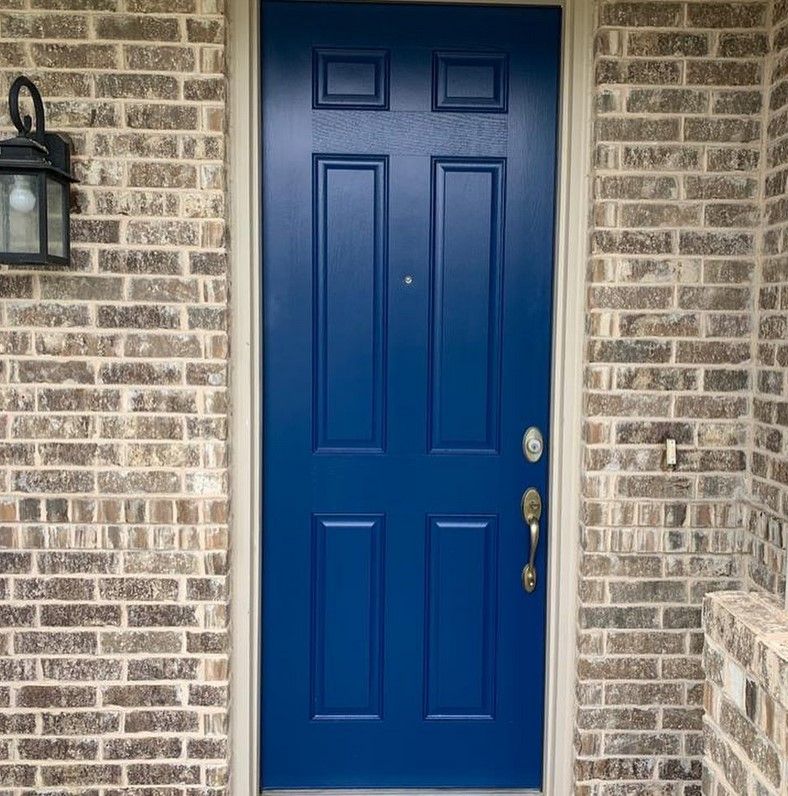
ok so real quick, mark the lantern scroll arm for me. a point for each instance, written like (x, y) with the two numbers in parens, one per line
(25, 124)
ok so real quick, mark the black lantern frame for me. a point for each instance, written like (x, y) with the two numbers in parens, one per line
(35, 180)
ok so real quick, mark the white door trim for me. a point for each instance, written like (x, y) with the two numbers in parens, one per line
(244, 186)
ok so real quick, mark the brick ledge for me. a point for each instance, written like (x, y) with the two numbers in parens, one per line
(753, 629)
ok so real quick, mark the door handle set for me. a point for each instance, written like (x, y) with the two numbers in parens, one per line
(531, 505)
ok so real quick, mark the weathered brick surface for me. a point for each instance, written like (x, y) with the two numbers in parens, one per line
(679, 160)
(767, 516)
(746, 695)
(687, 335)
(113, 514)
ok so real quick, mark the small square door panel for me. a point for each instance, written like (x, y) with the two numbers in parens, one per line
(476, 82)
(350, 79)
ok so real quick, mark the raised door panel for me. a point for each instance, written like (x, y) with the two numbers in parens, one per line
(461, 617)
(470, 82)
(350, 225)
(347, 619)
(347, 79)
(467, 278)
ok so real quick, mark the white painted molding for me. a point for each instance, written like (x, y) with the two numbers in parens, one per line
(567, 392)
(244, 189)
(244, 192)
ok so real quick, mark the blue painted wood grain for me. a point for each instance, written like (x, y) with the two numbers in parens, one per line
(408, 203)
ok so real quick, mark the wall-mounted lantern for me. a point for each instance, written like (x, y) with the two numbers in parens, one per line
(35, 177)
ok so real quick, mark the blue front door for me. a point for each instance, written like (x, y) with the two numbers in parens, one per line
(409, 171)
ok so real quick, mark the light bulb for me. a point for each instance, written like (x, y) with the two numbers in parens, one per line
(22, 199)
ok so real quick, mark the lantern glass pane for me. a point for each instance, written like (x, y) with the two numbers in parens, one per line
(56, 218)
(19, 227)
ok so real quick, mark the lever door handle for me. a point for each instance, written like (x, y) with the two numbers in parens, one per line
(531, 506)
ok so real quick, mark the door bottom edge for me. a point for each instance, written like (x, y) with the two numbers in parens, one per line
(447, 791)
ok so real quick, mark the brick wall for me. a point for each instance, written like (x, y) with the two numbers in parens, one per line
(768, 512)
(113, 535)
(671, 291)
(746, 696)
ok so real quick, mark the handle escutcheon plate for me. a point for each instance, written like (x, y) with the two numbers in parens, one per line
(531, 506)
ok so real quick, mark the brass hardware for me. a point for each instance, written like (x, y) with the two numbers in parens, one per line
(533, 444)
(531, 506)
(529, 578)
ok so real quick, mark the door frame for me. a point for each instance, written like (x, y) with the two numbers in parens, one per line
(244, 185)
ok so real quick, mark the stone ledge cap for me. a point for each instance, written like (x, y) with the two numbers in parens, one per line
(753, 629)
